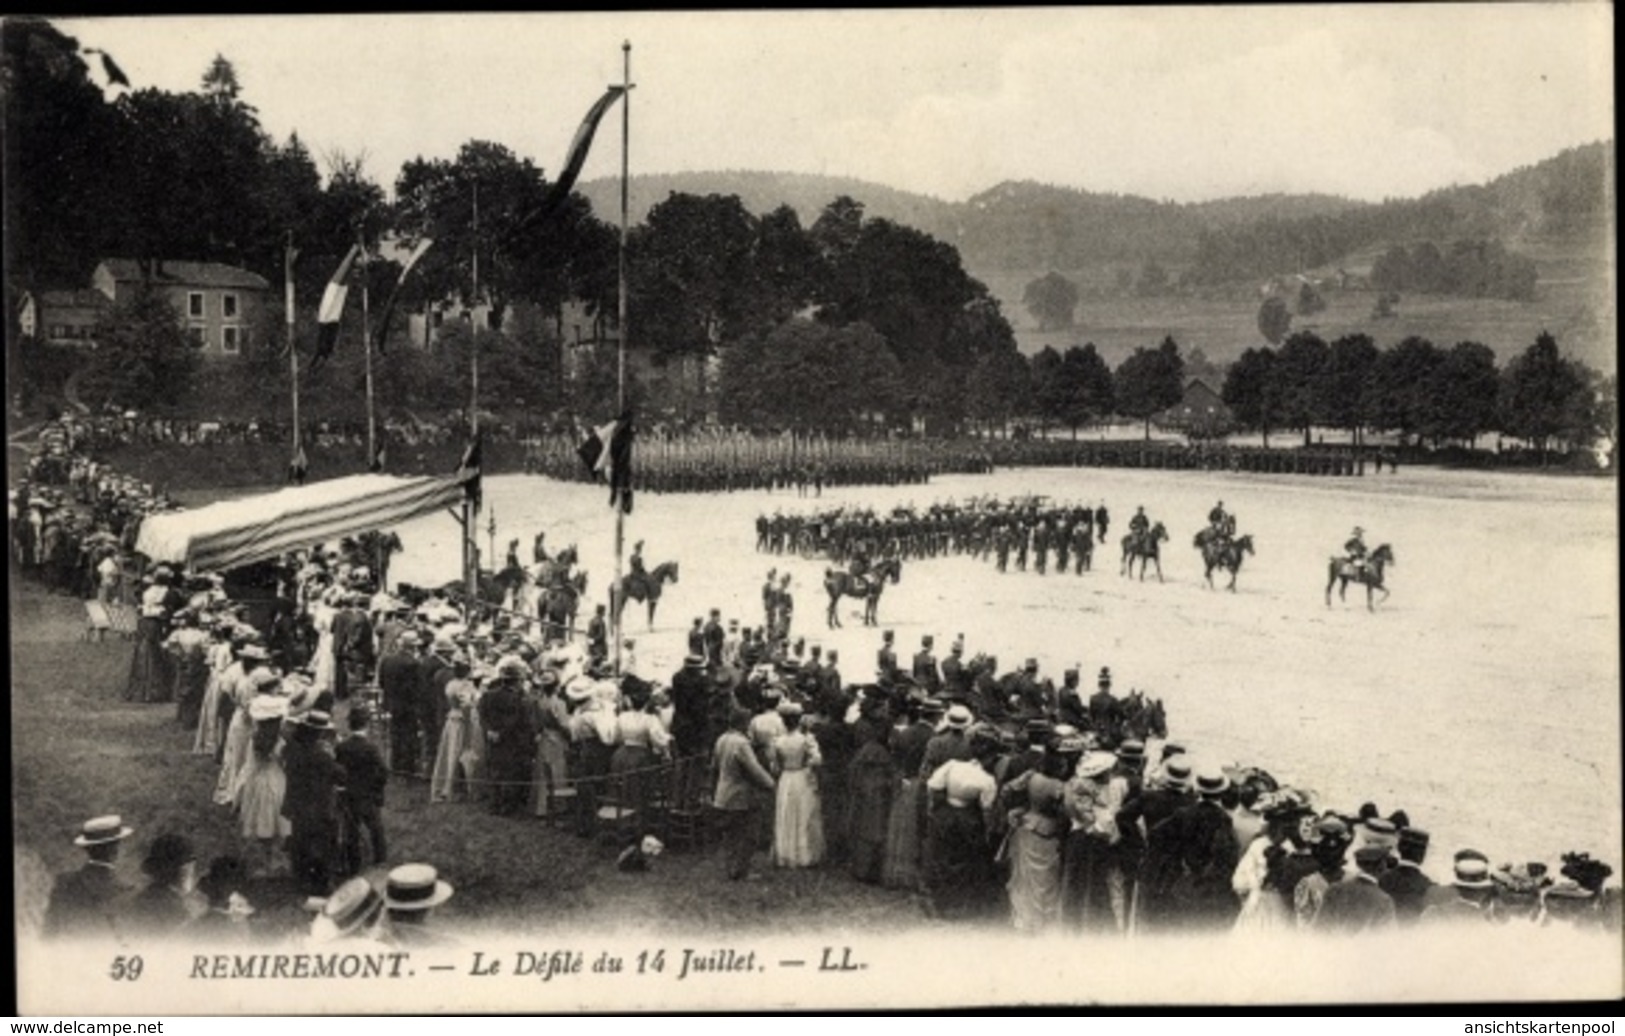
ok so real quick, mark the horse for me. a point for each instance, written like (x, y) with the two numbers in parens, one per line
(840, 584)
(644, 588)
(1218, 552)
(1341, 572)
(558, 604)
(1143, 717)
(1144, 547)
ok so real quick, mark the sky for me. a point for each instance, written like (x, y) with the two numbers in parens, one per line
(1184, 104)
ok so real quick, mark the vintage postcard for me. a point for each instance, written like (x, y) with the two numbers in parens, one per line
(831, 509)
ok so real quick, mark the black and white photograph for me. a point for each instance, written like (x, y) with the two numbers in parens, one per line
(813, 510)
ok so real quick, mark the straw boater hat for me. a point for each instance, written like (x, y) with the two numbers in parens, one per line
(694, 662)
(415, 886)
(1096, 763)
(352, 905)
(959, 717)
(1473, 873)
(789, 708)
(1177, 774)
(102, 830)
(267, 706)
(1212, 783)
(316, 719)
(1131, 751)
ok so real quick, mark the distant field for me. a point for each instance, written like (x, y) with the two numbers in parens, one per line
(1575, 304)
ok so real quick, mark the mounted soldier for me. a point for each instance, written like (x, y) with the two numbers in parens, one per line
(1222, 522)
(1138, 524)
(636, 562)
(859, 566)
(1355, 548)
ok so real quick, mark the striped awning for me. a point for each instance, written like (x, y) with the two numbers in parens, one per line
(234, 533)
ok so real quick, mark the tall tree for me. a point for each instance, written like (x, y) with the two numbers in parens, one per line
(998, 388)
(1052, 300)
(1251, 389)
(1049, 392)
(1401, 384)
(1458, 395)
(1536, 393)
(1150, 381)
(144, 356)
(1090, 391)
(1300, 364)
(1346, 389)
(1274, 320)
(692, 274)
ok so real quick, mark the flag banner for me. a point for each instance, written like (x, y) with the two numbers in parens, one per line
(468, 470)
(380, 335)
(298, 467)
(378, 458)
(607, 453)
(574, 160)
(331, 310)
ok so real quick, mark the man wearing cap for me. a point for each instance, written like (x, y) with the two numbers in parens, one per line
(598, 636)
(924, 669)
(83, 901)
(953, 672)
(886, 657)
(311, 801)
(411, 893)
(399, 674)
(713, 638)
(1105, 714)
(1404, 882)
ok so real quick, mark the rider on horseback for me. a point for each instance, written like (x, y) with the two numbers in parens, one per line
(1222, 522)
(1138, 525)
(859, 566)
(1356, 550)
(636, 561)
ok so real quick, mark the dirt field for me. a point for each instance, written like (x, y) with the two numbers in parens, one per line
(1481, 696)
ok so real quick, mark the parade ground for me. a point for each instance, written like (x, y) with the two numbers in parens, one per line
(1481, 696)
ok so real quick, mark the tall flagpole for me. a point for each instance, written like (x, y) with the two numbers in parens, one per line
(620, 347)
(293, 354)
(366, 345)
(471, 510)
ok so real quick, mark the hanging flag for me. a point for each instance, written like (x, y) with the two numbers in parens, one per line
(607, 452)
(573, 161)
(298, 466)
(332, 307)
(468, 470)
(377, 464)
(382, 333)
(290, 255)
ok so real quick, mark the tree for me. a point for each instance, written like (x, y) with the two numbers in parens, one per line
(1250, 390)
(144, 357)
(1090, 391)
(765, 378)
(998, 387)
(788, 269)
(1346, 395)
(1310, 301)
(1457, 397)
(1537, 390)
(1274, 320)
(220, 83)
(1299, 366)
(1150, 381)
(1049, 393)
(1400, 384)
(1051, 299)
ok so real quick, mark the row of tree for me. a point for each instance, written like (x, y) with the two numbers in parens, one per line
(1477, 269)
(1421, 391)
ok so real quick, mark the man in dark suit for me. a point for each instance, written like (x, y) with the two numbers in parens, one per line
(510, 736)
(83, 901)
(311, 802)
(1405, 883)
(353, 642)
(1102, 519)
(953, 672)
(886, 658)
(362, 798)
(925, 667)
(713, 636)
(1190, 859)
(696, 637)
(742, 786)
(398, 677)
(1104, 712)
(1359, 905)
(598, 637)
(691, 706)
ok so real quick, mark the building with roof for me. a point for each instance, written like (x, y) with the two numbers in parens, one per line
(62, 317)
(1200, 413)
(218, 303)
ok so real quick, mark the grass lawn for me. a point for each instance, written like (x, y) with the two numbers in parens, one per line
(79, 750)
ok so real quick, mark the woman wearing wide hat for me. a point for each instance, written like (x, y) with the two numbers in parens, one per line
(959, 872)
(262, 784)
(150, 679)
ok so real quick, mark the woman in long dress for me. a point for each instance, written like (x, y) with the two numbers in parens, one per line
(641, 744)
(149, 666)
(219, 658)
(903, 829)
(798, 823)
(1263, 907)
(456, 736)
(960, 879)
(552, 743)
(261, 783)
(240, 733)
(187, 647)
(326, 657)
(1034, 847)
(872, 782)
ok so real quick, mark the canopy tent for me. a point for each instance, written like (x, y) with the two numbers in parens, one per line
(234, 533)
